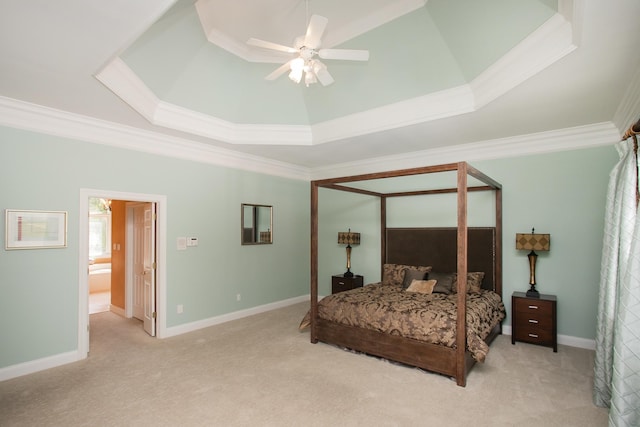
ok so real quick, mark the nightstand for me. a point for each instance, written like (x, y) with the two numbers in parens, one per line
(340, 283)
(533, 320)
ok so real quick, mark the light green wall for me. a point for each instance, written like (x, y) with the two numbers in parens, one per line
(39, 288)
(562, 194)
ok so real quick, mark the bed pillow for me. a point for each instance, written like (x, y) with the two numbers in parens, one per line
(411, 274)
(422, 286)
(474, 282)
(393, 274)
(444, 282)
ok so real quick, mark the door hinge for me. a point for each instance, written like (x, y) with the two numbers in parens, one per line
(155, 216)
(154, 266)
(155, 315)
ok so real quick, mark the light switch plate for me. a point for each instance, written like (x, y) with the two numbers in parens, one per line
(182, 243)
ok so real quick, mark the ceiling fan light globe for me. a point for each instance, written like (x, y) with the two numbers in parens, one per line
(297, 65)
(317, 66)
(309, 78)
(296, 75)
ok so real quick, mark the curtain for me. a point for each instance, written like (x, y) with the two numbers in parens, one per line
(617, 361)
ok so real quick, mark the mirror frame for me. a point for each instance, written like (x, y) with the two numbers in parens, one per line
(255, 234)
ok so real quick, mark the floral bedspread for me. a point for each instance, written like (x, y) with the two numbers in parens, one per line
(424, 317)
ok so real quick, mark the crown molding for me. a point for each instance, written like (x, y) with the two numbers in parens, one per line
(338, 36)
(32, 117)
(447, 103)
(175, 117)
(550, 42)
(235, 47)
(121, 80)
(37, 118)
(375, 19)
(628, 111)
(580, 137)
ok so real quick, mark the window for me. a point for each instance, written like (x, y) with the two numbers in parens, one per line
(99, 228)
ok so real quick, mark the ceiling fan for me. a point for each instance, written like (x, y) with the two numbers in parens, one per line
(306, 48)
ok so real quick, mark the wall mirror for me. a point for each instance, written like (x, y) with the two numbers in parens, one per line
(257, 224)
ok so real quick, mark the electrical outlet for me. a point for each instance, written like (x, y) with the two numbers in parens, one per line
(238, 297)
(180, 309)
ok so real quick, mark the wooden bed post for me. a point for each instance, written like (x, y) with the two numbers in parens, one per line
(383, 234)
(314, 260)
(498, 247)
(461, 319)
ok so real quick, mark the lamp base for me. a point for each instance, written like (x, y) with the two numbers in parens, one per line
(348, 274)
(532, 293)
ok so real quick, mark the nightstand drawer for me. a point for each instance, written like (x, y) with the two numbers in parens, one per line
(534, 334)
(339, 283)
(534, 320)
(534, 308)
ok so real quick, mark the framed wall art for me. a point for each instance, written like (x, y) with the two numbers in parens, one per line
(27, 229)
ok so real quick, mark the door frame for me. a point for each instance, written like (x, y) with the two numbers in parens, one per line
(83, 259)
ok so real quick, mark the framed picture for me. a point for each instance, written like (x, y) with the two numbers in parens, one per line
(35, 229)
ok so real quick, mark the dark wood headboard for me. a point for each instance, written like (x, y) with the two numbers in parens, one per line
(437, 247)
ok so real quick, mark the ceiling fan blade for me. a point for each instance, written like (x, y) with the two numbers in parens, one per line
(348, 54)
(324, 77)
(317, 25)
(322, 73)
(279, 71)
(270, 45)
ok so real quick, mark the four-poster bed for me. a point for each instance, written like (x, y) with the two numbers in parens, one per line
(460, 249)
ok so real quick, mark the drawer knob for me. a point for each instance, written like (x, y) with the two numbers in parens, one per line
(533, 307)
(533, 335)
(340, 283)
(533, 321)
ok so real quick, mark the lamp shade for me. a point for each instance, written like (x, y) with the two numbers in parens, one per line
(533, 242)
(348, 238)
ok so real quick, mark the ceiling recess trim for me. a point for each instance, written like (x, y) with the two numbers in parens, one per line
(364, 24)
(550, 42)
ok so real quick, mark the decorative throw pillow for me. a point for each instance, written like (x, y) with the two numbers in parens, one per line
(411, 274)
(393, 274)
(422, 286)
(474, 282)
(445, 282)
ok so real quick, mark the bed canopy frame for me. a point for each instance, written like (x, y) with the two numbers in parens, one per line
(452, 362)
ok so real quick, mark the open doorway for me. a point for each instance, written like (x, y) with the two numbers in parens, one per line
(141, 227)
(103, 250)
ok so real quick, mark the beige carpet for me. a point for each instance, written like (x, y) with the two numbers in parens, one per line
(261, 371)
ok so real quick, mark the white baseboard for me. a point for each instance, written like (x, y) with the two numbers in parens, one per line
(117, 310)
(564, 340)
(205, 323)
(32, 366)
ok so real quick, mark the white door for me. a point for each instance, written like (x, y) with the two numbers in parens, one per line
(144, 295)
(138, 262)
(150, 268)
